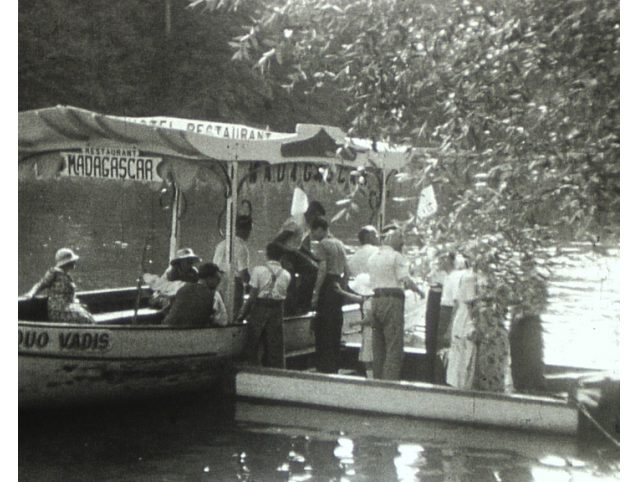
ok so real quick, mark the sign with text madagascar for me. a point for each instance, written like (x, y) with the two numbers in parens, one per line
(124, 163)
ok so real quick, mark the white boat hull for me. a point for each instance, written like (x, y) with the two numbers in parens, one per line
(61, 364)
(408, 399)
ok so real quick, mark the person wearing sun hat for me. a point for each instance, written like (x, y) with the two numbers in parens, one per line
(62, 305)
(181, 270)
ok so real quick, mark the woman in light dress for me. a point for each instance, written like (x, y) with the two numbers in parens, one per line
(462, 353)
(479, 356)
(62, 305)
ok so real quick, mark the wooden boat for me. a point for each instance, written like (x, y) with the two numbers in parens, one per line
(116, 358)
(409, 399)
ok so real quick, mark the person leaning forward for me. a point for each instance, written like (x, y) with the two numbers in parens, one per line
(194, 302)
(389, 274)
(327, 298)
(265, 306)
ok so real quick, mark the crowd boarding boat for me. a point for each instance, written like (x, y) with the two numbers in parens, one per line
(128, 353)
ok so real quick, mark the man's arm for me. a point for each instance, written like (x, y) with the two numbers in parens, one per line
(179, 306)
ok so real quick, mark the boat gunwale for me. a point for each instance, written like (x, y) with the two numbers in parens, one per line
(407, 385)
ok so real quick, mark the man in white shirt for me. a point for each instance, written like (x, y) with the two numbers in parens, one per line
(267, 291)
(240, 272)
(389, 275)
(369, 244)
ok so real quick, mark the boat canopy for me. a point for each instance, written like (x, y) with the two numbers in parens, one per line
(188, 145)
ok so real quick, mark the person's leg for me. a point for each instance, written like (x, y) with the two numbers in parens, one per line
(274, 338)
(238, 296)
(432, 319)
(255, 328)
(394, 338)
(377, 338)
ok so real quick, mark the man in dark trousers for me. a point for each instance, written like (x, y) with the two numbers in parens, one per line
(437, 319)
(327, 299)
(265, 307)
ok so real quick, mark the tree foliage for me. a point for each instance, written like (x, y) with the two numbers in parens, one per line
(114, 57)
(515, 106)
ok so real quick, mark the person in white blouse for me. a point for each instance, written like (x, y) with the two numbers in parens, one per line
(239, 274)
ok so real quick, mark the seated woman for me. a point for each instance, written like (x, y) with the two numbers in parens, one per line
(62, 305)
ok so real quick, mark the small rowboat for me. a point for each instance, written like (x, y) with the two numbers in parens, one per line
(409, 399)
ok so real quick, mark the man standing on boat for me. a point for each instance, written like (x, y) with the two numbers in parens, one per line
(389, 275)
(240, 271)
(327, 299)
(265, 306)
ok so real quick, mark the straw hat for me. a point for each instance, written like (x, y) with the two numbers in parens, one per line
(65, 256)
(361, 285)
(185, 253)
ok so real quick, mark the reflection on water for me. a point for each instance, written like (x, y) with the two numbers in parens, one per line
(196, 438)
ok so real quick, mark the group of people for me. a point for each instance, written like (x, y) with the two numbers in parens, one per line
(466, 346)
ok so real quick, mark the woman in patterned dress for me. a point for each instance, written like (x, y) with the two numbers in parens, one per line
(62, 305)
(493, 372)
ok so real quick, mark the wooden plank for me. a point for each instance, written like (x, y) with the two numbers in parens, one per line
(412, 399)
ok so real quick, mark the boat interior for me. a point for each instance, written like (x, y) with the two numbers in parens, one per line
(108, 306)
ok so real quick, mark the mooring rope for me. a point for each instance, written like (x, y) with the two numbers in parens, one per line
(586, 413)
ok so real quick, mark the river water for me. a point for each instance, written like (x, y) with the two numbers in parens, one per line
(205, 440)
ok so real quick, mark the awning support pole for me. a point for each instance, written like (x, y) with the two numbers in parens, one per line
(230, 228)
(383, 201)
(174, 240)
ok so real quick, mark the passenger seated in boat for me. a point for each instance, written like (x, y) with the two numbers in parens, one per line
(194, 302)
(297, 264)
(181, 270)
(265, 309)
(62, 305)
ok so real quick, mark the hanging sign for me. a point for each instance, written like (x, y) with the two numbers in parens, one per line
(214, 129)
(427, 205)
(124, 163)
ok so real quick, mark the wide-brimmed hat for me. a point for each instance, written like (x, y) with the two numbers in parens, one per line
(185, 253)
(361, 285)
(65, 256)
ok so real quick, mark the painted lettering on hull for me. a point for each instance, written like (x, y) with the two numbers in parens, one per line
(66, 341)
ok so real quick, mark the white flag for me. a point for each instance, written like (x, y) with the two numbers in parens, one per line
(299, 205)
(427, 205)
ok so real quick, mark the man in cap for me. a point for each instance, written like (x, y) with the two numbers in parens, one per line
(194, 302)
(240, 271)
(327, 298)
(389, 275)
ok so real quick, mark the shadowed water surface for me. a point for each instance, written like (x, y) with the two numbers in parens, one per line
(185, 440)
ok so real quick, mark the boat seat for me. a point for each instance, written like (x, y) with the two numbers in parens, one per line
(145, 316)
